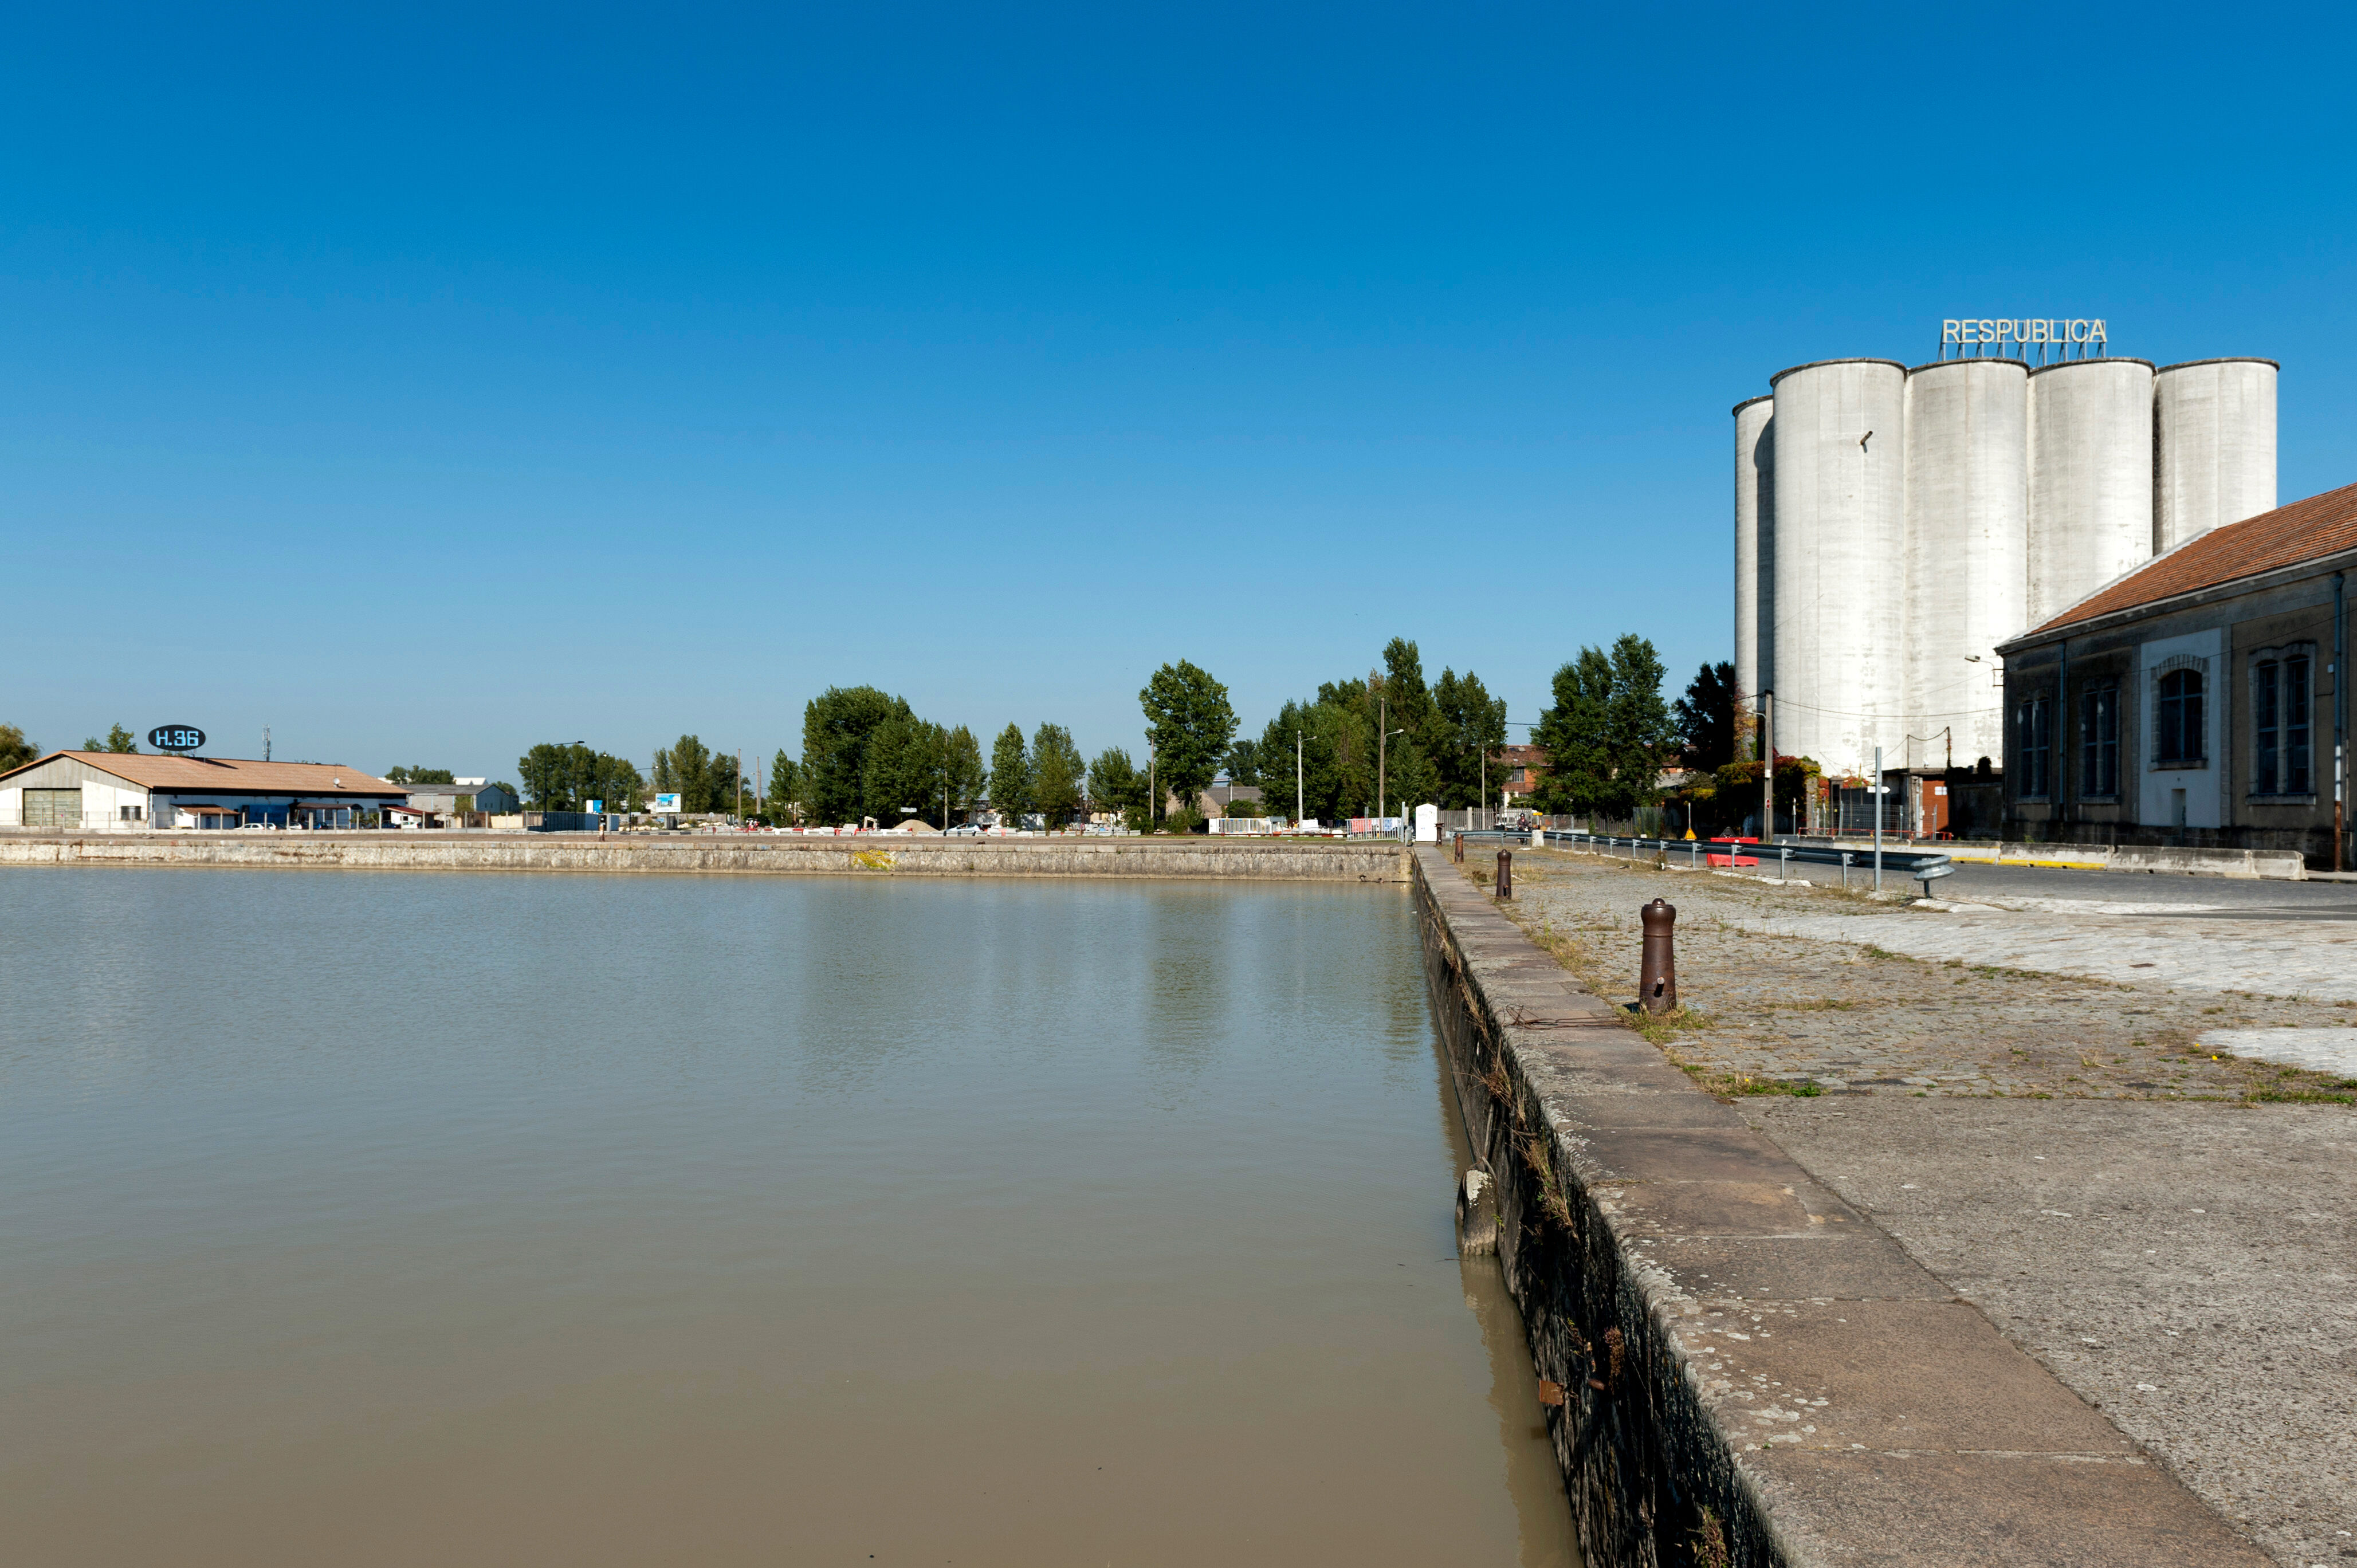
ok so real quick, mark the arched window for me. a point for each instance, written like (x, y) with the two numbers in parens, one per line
(2177, 720)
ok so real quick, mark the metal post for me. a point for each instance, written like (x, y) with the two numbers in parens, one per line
(1383, 751)
(1505, 872)
(1878, 818)
(1657, 970)
(1297, 781)
(1767, 767)
(2339, 717)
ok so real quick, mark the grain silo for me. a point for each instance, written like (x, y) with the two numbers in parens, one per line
(2214, 428)
(2090, 478)
(1755, 546)
(1967, 533)
(1840, 561)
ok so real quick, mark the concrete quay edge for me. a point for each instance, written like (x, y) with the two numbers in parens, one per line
(1754, 1371)
(723, 854)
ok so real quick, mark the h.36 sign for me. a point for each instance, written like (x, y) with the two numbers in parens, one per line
(176, 737)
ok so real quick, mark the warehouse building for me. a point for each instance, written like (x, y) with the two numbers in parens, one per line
(2198, 699)
(133, 792)
(1894, 525)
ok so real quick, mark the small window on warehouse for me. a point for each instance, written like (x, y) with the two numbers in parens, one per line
(2034, 727)
(2282, 745)
(2177, 737)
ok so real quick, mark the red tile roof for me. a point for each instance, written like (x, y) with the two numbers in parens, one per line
(163, 771)
(2305, 531)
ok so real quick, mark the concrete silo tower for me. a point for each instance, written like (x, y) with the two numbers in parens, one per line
(1840, 561)
(1967, 539)
(2091, 474)
(2214, 430)
(1755, 546)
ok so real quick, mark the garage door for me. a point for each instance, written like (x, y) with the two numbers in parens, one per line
(53, 808)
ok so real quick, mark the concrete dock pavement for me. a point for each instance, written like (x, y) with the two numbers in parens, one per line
(2026, 1100)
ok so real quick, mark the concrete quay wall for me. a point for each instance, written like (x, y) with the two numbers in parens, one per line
(1310, 861)
(1752, 1371)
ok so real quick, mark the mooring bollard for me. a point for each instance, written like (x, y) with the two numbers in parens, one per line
(1657, 973)
(1505, 873)
(1460, 849)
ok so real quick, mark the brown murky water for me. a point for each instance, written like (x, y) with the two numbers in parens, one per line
(410, 1218)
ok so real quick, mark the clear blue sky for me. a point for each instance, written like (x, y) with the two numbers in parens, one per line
(423, 383)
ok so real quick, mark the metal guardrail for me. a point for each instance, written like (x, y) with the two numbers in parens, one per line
(1921, 866)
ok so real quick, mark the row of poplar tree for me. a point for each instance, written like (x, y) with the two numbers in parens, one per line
(1387, 740)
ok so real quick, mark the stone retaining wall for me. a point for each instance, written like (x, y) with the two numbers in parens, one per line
(1752, 1371)
(1314, 861)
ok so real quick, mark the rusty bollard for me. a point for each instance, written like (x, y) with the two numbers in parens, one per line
(1505, 873)
(1657, 975)
(1460, 849)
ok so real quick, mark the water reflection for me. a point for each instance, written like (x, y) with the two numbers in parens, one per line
(615, 1219)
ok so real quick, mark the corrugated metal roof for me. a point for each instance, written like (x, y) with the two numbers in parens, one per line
(174, 773)
(2305, 531)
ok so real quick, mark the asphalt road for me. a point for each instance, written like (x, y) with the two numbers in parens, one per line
(2211, 897)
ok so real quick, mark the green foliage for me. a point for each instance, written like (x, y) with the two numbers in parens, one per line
(785, 790)
(1336, 754)
(1706, 717)
(1117, 785)
(1058, 774)
(901, 771)
(1408, 773)
(1244, 809)
(15, 749)
(1608, 735)
(118, 740)
(1346, 771)
(836, 725)
(1189, 724)
(1242, 762)
(1468, 724)
(1011, 777)
(966, 778)
(561, 778)
(419, 776)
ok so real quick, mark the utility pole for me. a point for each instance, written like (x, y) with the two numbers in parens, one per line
(1878, 818)
(740, 783)
(1767, 767)
(1296, 779)
(1382, 755)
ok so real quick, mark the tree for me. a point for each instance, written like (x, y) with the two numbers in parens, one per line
(15, 749)
(567, 777)
(1057, 774)
(419, 776)
(901, 772)
(1467, 725)
(1117, 785)
(1188, 723)
(963, 772)
(836, 725)
(1010, 778)
(118, 740)
(685, 769)
(785, 786)
(1706, 717)
(1242, 762)
(1608, 735)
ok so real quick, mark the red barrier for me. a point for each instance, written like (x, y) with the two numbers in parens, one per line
(1732, 859)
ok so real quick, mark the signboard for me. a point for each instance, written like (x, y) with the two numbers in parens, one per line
(2013, 338)
(176, 737)
(666, 804)
(594, 806)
